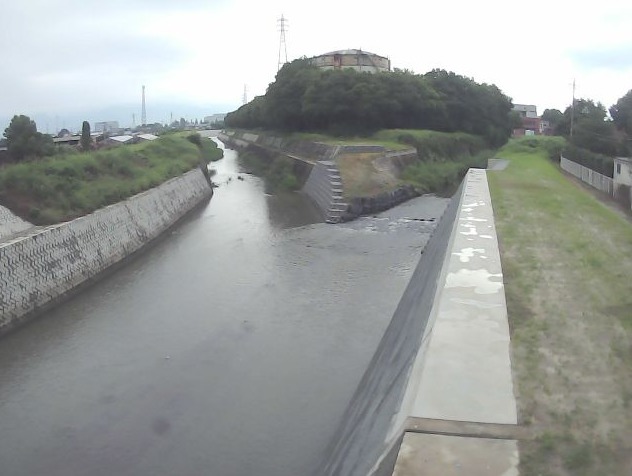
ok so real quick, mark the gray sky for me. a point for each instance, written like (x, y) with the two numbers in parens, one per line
(64, 61)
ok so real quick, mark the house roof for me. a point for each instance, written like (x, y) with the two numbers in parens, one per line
(627, 160)
(351, 52)
(122, 139)
(148, 136)
(57, 140)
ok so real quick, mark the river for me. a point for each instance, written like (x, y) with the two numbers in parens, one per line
(231, 347)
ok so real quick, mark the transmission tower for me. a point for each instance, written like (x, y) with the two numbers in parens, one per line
(143, 114)
(283, 25)
(244, 99)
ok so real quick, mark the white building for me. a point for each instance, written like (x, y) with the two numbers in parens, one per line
(622, 179)
(106, 126)
(622, 171)
(526, 110)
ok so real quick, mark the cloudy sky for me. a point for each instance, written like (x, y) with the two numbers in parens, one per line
(65, 61)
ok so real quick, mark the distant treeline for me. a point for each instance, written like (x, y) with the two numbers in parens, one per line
(346, 102)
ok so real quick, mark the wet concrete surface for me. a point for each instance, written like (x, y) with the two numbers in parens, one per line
(232, 347)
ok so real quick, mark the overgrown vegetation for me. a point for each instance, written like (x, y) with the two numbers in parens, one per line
(277, 171)
(443, 176)
(346, 102)
(67, 185)
(566, 262)
(444, 158)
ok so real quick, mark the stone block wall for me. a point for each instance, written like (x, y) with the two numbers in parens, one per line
(42, 266)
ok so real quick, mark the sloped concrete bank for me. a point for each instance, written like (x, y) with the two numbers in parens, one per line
(442, 366)
(41, 267)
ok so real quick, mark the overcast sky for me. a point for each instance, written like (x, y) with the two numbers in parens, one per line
(64, 61)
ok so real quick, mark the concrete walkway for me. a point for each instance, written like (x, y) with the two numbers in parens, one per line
(463, 372)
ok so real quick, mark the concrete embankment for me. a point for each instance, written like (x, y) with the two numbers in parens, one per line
(325, 186)
(40, 267)
(438, 391)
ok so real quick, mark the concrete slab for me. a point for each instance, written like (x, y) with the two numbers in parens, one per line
(438, 455)
(497, 164)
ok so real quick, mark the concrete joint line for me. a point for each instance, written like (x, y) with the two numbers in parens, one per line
(498, 431)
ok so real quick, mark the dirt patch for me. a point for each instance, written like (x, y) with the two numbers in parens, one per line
(362, 178)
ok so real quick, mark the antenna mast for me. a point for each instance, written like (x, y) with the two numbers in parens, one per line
(143, 114)
(282, 23)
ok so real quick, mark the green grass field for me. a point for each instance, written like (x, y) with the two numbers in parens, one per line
(72, 184)
(567, 262)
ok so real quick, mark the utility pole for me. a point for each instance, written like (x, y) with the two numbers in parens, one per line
(282, 23)
(573, 109)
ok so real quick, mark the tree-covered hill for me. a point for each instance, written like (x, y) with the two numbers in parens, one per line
(346, 102)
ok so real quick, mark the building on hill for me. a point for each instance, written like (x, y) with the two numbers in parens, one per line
(531, 123)
(359, 60)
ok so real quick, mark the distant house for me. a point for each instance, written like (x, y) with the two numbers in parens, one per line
(146, 137)
(107, 127)
(622, 180)
(120, 140)
(531, 123)
(214, 118)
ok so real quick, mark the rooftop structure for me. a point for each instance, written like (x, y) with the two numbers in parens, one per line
(362, 61)
(526, 110)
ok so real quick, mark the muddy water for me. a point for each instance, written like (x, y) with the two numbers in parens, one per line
(231, 347)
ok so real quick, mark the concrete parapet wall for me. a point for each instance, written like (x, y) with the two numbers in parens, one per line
(40, 267)
(445, 353)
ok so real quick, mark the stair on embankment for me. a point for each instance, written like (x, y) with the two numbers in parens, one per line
(324, 187)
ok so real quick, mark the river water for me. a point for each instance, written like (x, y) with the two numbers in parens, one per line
(231, 347)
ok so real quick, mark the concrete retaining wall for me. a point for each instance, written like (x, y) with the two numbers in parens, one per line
(42, 266)
(445, 354)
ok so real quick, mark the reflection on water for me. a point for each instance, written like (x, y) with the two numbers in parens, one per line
(231, 347)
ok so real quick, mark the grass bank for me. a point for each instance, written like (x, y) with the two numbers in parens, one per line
(72, 184)
(567, 262)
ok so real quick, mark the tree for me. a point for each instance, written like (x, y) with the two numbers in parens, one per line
(553, 116)
(86, 140)
(23, 140)
(621, 113)
(591, 128)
